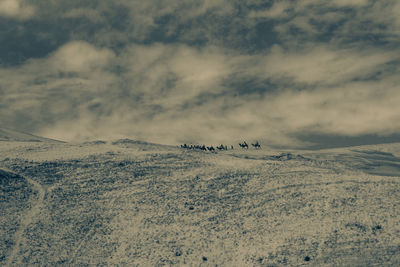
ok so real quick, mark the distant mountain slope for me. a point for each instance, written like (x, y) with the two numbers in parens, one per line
(12, 135)
(141, 145)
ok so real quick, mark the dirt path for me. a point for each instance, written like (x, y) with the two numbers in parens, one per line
(26, 219)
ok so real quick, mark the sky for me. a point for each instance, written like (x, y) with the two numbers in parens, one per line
(289, 73)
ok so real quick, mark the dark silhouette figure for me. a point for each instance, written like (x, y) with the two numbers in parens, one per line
(210, 148)
(222, 147)
(184, 146)
(256, 145)
(244, 145)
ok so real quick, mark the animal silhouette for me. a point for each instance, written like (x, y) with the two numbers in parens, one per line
(244, 145)
(256, 145)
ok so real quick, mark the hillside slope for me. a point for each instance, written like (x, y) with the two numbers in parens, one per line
(137, 204)
(12, 135)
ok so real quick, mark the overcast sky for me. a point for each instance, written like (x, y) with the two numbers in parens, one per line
(288, 73)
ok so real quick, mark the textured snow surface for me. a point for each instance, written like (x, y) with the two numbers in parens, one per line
(129, 203)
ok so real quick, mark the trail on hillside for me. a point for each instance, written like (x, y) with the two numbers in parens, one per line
(26, 219)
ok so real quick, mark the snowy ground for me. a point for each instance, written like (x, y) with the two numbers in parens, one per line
(137, 204)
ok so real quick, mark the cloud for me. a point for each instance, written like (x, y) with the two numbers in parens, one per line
(84, 13)
(166, 83)
(148, 16)
(189, 71)
(17, 9)
(385, 14)
(354, 3)
(51, 90)
(321, 65)
(78, 56)
(207, 71)
(284, 9)
(278, 10)
(302, 22)
(355, 109)
(172, 93)
(77, 85)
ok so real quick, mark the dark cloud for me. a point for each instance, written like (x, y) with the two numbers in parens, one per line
(204, 71)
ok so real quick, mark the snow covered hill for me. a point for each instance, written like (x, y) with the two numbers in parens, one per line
(12, 135)
(129, 203)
